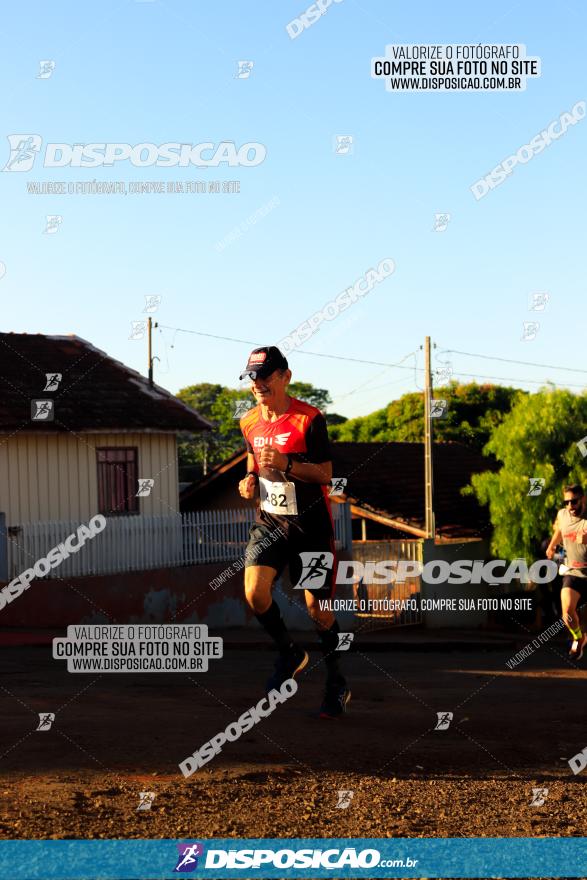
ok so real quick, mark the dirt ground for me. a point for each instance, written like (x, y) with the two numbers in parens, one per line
(117, 735)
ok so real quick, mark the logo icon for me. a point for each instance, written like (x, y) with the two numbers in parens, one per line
(344, 799)
(188, 857)
(444, 719)
(345, 641)
(42, 411)
(146, 799)
(53, 380)
(438, 409)
(337, 485)
(46, 68)
(536, 485)
(145, 486)
(538, 302)
(315, 568)
(443, 374)
(241, 407)
(278, 440)
(539, 795)
(23, 151)
(152, 302)
(54, 221)
(138, 329)
(441, 221)
(46, 719)
(578, 762)
(530, 330)
(343, 145)
(244, 69)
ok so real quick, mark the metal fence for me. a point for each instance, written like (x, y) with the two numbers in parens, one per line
(138, 543)
(379, 551)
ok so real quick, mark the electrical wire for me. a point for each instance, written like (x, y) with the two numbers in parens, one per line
(500, 378)
(380, 373)
(509, 361)
(335, 357)
(400, 366)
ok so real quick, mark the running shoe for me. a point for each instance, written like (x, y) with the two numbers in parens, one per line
(287, 666)
(336, 698)
(576, 651)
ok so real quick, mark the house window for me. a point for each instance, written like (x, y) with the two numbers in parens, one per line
(117, 480)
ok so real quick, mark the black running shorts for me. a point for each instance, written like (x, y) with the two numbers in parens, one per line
(311, 558)
(578, 584)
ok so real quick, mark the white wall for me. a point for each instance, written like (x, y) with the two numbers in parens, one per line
(55, 476)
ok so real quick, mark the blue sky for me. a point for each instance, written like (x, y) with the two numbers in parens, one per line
(164, 71)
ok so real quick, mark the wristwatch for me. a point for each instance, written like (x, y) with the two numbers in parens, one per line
(289, 465)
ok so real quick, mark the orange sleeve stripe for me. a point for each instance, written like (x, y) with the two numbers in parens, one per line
(248, 421)
(300, 422)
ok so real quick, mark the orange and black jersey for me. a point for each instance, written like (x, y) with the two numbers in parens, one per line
(300, 432)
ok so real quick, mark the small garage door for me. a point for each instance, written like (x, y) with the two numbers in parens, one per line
(378, 599)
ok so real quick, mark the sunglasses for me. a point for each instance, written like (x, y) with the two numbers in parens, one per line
(572, 500)
(273, 377)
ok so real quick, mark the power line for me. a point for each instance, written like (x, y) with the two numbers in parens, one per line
(335, 357)
(516, 379)
(399, 365)
(480, 376)
(509, 361)
(339, 398)
(385, 363)
(372, 378)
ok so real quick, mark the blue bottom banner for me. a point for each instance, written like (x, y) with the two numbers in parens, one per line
(296, 857)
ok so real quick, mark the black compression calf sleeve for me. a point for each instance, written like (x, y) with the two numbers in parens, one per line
(329, 640)
(272, 622)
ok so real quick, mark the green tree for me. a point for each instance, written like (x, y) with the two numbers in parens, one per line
(201, 397)
(306, 391)
(366, 429)
(319, 397)
(537, 439)
(217, 404)
(473, 412)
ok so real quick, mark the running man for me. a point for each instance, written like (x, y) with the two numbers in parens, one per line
(571, 530)
(289, 470)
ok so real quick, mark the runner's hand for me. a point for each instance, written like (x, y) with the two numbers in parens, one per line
(549, 552)
(271, 458)
(247, 487)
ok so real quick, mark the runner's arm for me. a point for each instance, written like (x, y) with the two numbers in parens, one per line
(557, 538)
(311, 473)
(316, 465)
(249, 486)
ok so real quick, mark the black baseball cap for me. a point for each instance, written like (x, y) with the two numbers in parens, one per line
(264, 361)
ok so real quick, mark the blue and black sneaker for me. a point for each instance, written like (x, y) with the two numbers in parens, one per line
(287, 665)
(336, 698)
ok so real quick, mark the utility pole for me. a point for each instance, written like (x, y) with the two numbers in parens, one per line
(150, 326)
(428, 473)
(205, 462)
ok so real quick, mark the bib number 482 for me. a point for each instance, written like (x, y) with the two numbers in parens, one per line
(278, 498)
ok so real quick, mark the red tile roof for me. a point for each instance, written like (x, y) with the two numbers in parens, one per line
(95, 393)
(387, 479)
